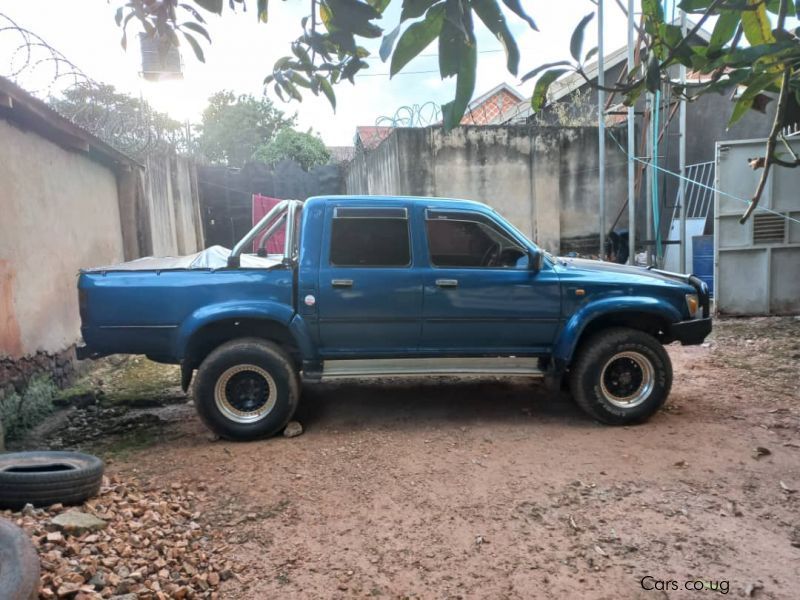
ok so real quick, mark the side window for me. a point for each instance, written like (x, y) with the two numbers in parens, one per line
(463, 241)
(370, 238)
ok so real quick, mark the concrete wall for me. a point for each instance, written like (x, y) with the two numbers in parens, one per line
(58, 213)
(542, 179)
(61, 211)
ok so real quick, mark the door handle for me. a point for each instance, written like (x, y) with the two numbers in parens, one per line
(342, 283)
(447, 283)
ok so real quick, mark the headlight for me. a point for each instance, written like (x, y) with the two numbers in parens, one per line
(693, 304)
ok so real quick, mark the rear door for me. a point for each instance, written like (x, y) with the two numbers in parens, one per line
(479, 294)
(370, 294)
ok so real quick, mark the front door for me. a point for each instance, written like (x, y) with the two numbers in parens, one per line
(480, 296)
(370, 294)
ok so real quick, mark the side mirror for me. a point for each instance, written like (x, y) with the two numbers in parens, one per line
(535, 261)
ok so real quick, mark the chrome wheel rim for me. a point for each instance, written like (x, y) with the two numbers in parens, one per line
(627, 379)
(245, 393)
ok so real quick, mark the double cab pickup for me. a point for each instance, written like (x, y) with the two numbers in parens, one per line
(369, 286)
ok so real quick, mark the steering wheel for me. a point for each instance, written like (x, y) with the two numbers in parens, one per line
(490, 255)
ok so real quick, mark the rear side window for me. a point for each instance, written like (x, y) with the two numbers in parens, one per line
(370, 238)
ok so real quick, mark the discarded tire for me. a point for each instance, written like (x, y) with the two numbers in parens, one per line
(45, 478)
(19, 564)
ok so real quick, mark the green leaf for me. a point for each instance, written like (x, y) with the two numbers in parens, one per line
(388, 43)
(453, 111)
(416, 38)
(724, 29)
(198, 51)
(516, 7)
(198, 29)
(590, 54)
(118, 16)
(214, 6)
(262, 11)
(327, 89)
(757, 28)
(695, 5)
(576, 42)
(491, 15)
(454, 39)
(539, 69)
(540, 91)
(758, 84)
(653, 76)
(414, 9)
(379, 5)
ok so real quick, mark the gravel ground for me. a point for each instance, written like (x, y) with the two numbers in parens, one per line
(495, 489)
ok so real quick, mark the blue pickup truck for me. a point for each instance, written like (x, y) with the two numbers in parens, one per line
(389, 287)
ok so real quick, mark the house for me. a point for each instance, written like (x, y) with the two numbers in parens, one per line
(493, 106)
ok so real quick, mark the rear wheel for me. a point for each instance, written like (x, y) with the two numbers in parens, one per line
(621, 376)
(246, 389)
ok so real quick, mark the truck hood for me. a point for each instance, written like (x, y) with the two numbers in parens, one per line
(628, 271)
(215, 257)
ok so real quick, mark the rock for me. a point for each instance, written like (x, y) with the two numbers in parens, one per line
(293, 429)
(760, 451)
(125, 597)
(27, 510)
(74, 522)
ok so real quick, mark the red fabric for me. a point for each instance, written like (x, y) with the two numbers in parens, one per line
(261, 206)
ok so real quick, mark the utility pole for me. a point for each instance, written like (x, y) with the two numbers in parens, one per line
(631, 151)
(601, 129)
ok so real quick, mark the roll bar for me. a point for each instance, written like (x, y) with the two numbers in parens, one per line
(285, 210)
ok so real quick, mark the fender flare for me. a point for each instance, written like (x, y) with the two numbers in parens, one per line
(266, 310)
(568, 337)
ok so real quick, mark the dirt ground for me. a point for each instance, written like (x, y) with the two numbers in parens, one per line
(495, 489)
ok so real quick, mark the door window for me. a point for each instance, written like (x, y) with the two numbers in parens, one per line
(370, 238)
(464, 241)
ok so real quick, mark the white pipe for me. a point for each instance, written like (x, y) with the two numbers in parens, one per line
(682, 159)
(601, 129)
(631, 150)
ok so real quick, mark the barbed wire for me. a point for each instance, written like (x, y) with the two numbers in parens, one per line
(46, 73)
(416, 115)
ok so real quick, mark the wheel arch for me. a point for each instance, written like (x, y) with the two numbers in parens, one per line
(646, 314)
(206, 330)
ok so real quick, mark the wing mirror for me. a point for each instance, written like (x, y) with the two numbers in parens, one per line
(535, 261)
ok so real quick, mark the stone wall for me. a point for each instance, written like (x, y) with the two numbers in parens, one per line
(542, 179)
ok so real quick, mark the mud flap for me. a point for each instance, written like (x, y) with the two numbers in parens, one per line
(186, 375)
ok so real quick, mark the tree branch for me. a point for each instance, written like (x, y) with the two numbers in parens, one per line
(769, 159)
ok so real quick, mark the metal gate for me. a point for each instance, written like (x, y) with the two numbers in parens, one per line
(756, 265)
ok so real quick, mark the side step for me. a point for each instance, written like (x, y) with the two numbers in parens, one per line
(422, 367)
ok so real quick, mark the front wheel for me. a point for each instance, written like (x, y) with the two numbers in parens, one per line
(246, 389)
(621, 376)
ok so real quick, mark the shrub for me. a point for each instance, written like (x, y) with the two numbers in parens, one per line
(20, 412)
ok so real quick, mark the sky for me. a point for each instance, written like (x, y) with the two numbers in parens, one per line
(243, 51)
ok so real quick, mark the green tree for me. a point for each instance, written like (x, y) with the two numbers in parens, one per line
(233, 127)
(307, 149)
(751, 45)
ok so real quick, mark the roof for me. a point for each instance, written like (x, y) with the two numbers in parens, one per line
(371, 136)
(569, 83)
(492, 105)
(400, 200)
(28, 112)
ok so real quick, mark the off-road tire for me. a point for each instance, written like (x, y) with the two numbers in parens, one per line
(19, 564)
(268, 358)
(43, 478)
(587, 371)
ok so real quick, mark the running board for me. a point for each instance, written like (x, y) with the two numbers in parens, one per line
(432, 367)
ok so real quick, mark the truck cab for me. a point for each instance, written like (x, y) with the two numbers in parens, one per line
(392, 286)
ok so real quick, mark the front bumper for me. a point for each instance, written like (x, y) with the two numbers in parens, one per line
(692, 332)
